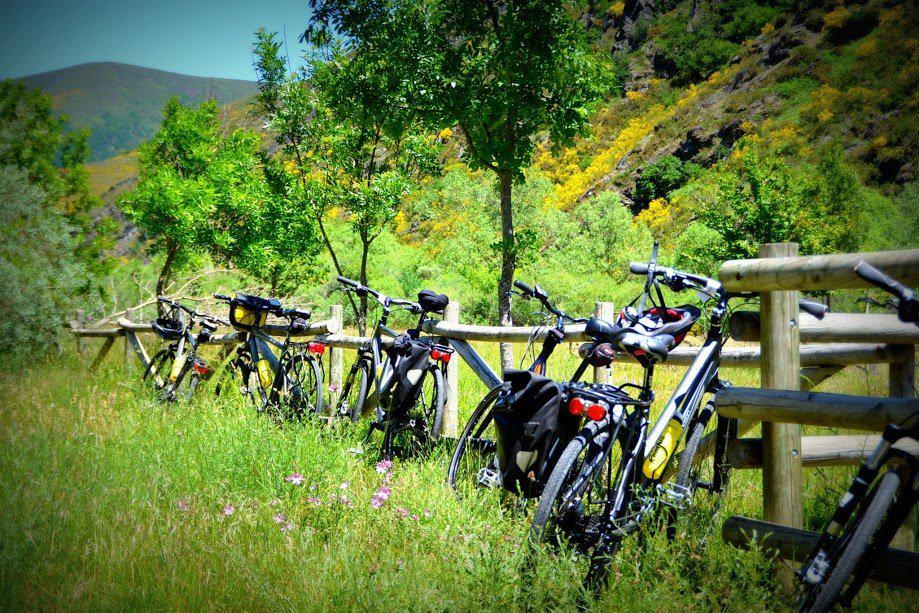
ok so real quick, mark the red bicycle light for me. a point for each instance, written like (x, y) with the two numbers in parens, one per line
(436, 355)
(576, 406)
(201, 368)
(596, 412)
(445, 357)
(314, 347)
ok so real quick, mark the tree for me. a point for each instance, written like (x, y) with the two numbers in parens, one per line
(350, 145)
(201, 191)
(503, 71)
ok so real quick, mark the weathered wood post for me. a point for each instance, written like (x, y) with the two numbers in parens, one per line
(451, 409)
(336, 314)
(607, 312)
(81, 324)
(902, 384)
(780, 365)
(128, 349)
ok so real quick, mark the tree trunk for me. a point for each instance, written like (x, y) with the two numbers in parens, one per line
(508, 265)
(331, 250)
(164, 274)
(362, 315)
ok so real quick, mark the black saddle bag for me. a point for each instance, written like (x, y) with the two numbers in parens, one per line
(530, 427)
(411, 362)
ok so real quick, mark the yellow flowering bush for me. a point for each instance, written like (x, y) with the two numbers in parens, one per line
(836, 18)
(656, 215)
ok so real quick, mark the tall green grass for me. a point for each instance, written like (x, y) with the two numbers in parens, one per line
(111, 500)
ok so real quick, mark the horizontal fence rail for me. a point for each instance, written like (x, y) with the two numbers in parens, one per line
(771, 274)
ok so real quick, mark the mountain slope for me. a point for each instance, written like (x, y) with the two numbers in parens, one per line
(121, 104)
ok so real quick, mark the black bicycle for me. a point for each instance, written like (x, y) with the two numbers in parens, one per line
(176, 369)
(617, 470)
(875, 505)
(287, 385)
(405, 383)
(520, 428)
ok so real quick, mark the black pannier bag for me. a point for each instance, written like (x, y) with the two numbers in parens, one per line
(432, 302)
(531, 431)
(410, 359)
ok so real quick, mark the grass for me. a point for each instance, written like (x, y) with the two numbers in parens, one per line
(111, 500)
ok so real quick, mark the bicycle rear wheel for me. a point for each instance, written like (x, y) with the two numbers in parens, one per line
(573, 502)
(702, 475)
(853, 543)
(298, 388)
(475, 461)
(414, 434)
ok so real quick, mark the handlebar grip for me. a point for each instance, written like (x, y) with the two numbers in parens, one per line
(347, 281)
(874, 276)
(222, 297)
(817, 309)
(638, 268)
(523, 287)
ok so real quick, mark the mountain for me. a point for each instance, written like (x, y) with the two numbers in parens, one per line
(121, 103)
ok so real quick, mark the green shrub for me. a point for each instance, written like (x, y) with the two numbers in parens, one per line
(660, 177)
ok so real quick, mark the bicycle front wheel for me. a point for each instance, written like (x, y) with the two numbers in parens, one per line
(159, 367)
(475, 460)
(354, 392)
(301, 386)
(414, 434)
(853, 543)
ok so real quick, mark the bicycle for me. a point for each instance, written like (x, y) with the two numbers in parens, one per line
(875, 505)
(179, 358)
(621, 463)
(407, 387)
(517, 432)
(288, 385)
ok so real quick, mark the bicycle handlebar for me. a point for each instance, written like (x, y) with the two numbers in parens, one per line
(874, 276)
(817, 309)
(677, 280)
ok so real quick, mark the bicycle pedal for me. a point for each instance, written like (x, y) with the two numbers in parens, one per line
(488, 478)
(673, 495)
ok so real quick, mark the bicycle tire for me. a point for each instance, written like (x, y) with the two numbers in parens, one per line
(423, 435)
(294, 373)
(354, 392)
(188, 375)
(156, 364)
(855, 545)
(561, 477)
(692, 463)
(481, 413)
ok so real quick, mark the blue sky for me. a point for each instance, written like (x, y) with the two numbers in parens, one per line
(209, 38)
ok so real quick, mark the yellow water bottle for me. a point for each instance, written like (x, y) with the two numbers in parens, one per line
(659, 456)
(265, 374)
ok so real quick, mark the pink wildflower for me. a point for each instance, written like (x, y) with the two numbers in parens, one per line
(384, 466)
(228, 509)
(401, 511)
(183, 505)
(287, 527)
(314, 500)
(279, 518)
(294, 479)
(427, 513)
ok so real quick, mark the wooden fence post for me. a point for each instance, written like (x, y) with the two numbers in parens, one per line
(607, 312)
(780, 365)
(336, 314)
(451, 409)
(128, 349)
(903, 385)
(81, 324)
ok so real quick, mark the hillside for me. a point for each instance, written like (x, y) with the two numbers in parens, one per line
(121, 104)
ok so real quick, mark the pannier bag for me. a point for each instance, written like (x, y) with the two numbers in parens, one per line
(530, 428)
(432, 302)
(410, 359)
(247, 312)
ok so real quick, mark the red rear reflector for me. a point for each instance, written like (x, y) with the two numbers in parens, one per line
(436, 355)
(576, 406)
(200, 368)
(317, 348)
(445, 357)
(596, 412)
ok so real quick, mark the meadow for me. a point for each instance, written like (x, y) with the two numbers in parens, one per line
(111, 500)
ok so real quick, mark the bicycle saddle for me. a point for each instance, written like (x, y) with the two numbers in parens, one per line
(600, 330)
(432, 302)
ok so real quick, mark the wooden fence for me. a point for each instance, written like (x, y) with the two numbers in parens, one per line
(783, 404)
(788, 369)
